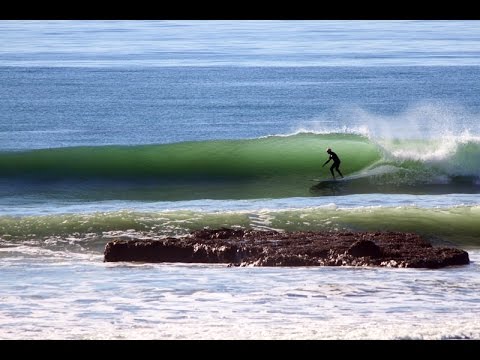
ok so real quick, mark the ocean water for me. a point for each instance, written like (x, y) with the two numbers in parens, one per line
(146, 129)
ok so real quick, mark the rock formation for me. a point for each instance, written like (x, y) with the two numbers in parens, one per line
(271, 248)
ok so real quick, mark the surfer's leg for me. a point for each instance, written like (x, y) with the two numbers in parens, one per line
(331, 170)
(338, 170)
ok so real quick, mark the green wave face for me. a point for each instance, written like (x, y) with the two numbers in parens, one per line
(266, 157)
(275, 166)
(459, 225)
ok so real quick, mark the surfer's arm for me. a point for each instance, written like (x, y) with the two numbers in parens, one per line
(326, 162)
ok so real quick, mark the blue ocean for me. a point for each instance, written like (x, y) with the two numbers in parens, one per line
(148, 129)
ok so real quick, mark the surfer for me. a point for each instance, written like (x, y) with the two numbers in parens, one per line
(336, 162)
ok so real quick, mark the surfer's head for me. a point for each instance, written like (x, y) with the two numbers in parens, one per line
(329, 150)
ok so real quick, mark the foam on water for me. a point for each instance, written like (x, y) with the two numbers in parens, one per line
(95, 300)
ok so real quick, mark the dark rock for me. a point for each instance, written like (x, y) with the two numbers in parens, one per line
(364, 248)
(270, 248)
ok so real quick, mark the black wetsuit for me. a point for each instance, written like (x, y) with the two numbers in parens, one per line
(336, 163)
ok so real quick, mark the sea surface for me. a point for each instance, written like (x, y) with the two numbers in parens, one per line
(147, 129)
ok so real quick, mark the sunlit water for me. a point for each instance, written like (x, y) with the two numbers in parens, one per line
(410, 87)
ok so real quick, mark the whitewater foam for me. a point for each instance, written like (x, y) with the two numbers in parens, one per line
(94, 300)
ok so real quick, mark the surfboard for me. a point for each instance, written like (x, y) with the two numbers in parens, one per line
(329, 180)
(328, 186)
(345, 178)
